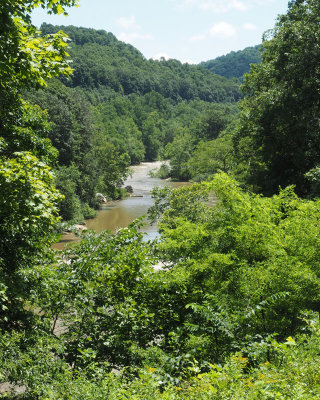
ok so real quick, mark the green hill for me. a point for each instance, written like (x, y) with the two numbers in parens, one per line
(118, 108)
(234, 64)
(101, 61)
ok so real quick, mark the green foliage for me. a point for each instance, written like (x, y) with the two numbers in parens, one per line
(28, 207)
(211, 157)
(36, 361)
(210, 310)
(279, 129)
(234, 64)
(109, 168)
(163, 172)
(30, 134)
(135, 114)
(244, 250)
(66, 182)
(26, 59)
(216, 121)
(204, 146)
(102, 62)
(238, 272)
(70, 119)
(27, 194)
(28, 214)
(313, 177)
(98, 293)
(88, 163)
(179, 152)
(294, 375)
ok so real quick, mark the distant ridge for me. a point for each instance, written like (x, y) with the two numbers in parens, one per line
(234, 64)
(103, 62)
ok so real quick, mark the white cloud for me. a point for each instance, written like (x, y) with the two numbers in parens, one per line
(249, 27)
(197, 38)
(132, 30)
(221, 6)
(128, 23)
(265, 2)
(223, 30)
(132, 36)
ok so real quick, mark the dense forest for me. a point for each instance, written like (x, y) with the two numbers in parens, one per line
(102, 61)
(236, 63)
(119, 104)
(233, 312)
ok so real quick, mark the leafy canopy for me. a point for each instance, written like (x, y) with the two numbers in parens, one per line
(279, 129)
(27, 194)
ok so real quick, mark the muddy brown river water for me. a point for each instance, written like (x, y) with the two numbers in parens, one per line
(119, 214)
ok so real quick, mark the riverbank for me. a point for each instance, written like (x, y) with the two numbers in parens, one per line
(120, 213)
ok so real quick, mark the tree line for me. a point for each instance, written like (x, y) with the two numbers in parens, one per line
(236, 63)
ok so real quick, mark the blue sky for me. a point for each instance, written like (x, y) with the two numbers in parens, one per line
(188, 30)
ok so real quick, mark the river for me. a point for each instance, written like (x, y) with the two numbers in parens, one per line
(120, 213)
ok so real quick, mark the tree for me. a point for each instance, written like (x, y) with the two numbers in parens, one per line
(28, 212)
(234, 64)
(241, 267)
(179, 153)
(26, 58)
(27, 194)
(216, 121)
(152, 135)
(210, 157)
(279, 129)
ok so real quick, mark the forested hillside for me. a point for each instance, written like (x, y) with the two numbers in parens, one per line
(224, 305)
(236, 63)
(103, 62)
(119, 109)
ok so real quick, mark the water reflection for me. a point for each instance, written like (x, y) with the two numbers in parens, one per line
(119, 214)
